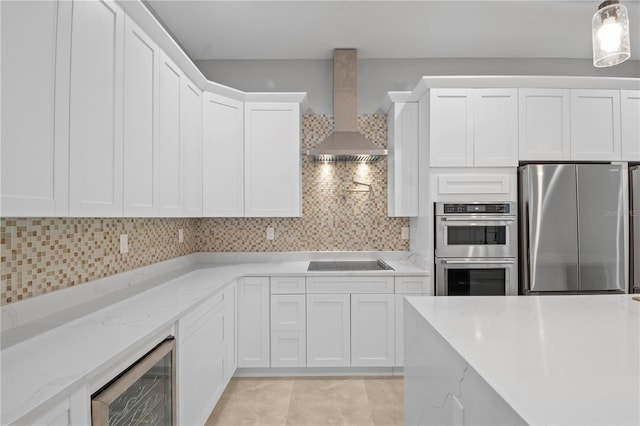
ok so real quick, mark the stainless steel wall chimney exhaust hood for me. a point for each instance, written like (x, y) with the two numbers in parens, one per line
(346, 143)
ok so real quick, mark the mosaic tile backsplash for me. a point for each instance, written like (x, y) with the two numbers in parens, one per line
(40, 255)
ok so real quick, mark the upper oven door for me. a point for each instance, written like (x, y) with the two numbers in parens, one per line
(476, 236)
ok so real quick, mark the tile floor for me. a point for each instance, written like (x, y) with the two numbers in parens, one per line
(317, 401)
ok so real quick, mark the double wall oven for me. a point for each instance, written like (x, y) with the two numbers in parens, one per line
(476, 249)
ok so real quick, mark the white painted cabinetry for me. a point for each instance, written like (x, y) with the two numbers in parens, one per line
(35, 108)
(544, 124)
(372, 330)
(288, 330)
(272, 159)
(406, 286)
(170, 153)
(96, 109)
(141, 70)
(451, 128)
(253, 322)
(328, 330)
(473, 127)
(191, 135)
(223, 156)
(204, 336)
(402, 162)
(495, 127)
(595, 125)
(630, 124)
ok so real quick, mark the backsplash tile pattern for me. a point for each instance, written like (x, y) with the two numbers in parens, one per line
(41, 255)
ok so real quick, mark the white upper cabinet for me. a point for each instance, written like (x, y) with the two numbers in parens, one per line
(272, 159)
(223, 157)
(630, 124)
(35, 141)
(191, 98)
(473, 127)
(451, 128)
(495, 127)
(595, 125)
(544, 124)
(96, 110)
(402, 162)
(141, 65)
(170, 153)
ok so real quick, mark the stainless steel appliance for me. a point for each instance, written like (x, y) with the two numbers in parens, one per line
(572, 228)
(635, 229)
(144, 394)
(476, 249)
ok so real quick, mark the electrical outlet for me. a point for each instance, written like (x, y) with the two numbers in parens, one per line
(458, 412)
(270, 234)
(180, 236)
(124, 244)
(405, 232)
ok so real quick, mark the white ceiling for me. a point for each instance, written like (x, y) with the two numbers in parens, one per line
(386, 29)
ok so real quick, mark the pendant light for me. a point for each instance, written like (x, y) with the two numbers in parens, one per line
(610, 34)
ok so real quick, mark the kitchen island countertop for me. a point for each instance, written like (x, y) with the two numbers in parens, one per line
(552, 359)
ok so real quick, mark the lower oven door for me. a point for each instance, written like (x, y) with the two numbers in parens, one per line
(476, 277)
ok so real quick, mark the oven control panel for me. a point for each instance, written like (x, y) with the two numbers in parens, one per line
(450, 208)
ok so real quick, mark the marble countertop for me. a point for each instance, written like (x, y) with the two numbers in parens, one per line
(553, 359)
(42, 366)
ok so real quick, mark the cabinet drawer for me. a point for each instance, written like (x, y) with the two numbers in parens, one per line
(335, 285)
(194, 320)
(287, 285)
(412, 285)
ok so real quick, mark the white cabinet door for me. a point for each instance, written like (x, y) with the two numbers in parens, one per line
(451, 128)
(595, 125)
(288, 330)
(141, 62)
(372, 330)
(328, 330)
(402, 162)
(96, 109)
(201, 352)
(170, 154)
(399, 343)
(630, 124)
(544, 124)
(223, 157)
(272, 160)
(495, 127)
(191, 123)
(253, 322)
(35, 106)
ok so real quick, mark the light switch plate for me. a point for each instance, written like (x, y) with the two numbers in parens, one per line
(124, 244)
(180, 236)
(405, 232)
(270, 234)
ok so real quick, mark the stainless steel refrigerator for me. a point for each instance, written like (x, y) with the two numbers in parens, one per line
(635, 229)
(573, 229)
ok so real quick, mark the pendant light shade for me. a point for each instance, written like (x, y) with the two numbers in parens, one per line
(610, 34)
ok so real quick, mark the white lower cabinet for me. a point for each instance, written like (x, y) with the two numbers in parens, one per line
(288, 330)
(372, 330)
(406, 286)
(328, 330)
(201, 358)
(253, 322)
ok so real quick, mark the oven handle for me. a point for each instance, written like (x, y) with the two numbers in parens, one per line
(477, 220)
(475, 262)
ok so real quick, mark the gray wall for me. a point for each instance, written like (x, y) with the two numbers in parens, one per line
(378, 76)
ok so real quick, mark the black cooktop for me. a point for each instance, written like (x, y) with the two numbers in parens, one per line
(349, 265)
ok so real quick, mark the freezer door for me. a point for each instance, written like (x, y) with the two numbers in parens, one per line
(601, 230)
(548, 205)
(635, 227)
